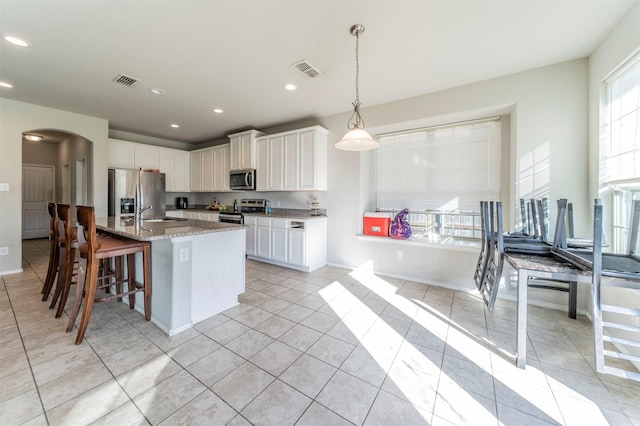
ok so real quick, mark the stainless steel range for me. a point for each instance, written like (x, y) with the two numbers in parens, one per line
(246, 206)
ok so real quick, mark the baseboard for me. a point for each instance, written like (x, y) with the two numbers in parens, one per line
(17, 271)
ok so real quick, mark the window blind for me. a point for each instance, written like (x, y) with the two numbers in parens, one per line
(450, 167)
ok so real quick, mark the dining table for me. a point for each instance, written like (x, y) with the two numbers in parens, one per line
(539, 266)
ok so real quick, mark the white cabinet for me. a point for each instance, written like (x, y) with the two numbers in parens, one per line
(195, 215)
(182, 170)
(120, 154)
(276, 169)
(174, 163)
(243, 149)
(262, 165)
(221, 159)
(250, 234)
(297, 247)
(295, 243)
(207, 169)
(210, 169)
(145, 156)
(175, 213)
(263, 237)
(196, 170)
(293, 161)
(313, 159)
(279, 241)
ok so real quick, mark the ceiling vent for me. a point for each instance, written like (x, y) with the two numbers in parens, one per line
(125, 80)
(307, 69)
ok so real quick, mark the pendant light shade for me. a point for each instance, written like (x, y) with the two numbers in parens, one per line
(357, 139)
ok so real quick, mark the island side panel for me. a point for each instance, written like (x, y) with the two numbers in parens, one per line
(218, 272)
(170, 284)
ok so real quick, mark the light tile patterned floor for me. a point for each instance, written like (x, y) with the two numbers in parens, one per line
(333, 347)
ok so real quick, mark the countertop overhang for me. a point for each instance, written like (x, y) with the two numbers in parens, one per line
(149, 231)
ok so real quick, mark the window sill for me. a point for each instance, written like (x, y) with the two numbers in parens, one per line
(448, 243)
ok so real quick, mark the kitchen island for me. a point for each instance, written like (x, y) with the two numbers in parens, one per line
(198, 267)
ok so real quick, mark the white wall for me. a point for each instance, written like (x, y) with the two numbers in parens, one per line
(548, 105)
(15, 118)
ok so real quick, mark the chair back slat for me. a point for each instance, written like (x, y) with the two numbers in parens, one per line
(87, 228)
(65, 226)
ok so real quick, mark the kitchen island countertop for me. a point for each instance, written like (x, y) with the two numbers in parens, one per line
(149, 231)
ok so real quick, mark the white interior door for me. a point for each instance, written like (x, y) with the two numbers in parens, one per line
(37, 190)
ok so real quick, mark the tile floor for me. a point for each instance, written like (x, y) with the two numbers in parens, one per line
(332, 347)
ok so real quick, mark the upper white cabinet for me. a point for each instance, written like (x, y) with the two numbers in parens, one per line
(293, 161)
(120, 154)
(243, 149)
(221, 160)
(146, 157)
(313, 159)
(207, 170)
(196, 170)
(182, 173)
(210, 169)
(174, 163)
(262, 166)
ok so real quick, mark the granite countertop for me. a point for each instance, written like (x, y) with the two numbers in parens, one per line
(148, 231)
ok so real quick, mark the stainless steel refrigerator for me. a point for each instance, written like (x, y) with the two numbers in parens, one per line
(130, 190)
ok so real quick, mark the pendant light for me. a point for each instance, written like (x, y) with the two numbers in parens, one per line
(357, 139)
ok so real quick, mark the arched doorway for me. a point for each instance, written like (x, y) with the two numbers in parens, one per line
(56, 166)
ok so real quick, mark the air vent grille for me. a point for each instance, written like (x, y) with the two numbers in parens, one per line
(125, 80)
(307, 69)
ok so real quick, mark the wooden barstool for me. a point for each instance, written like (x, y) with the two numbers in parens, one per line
(52, 270)
(67, 245)
(92, 250)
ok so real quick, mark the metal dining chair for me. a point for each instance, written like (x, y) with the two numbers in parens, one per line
(615, 331)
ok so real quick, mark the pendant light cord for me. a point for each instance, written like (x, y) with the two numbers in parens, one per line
(356, 121)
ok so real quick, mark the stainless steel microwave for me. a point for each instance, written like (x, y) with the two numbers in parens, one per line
(242, 180)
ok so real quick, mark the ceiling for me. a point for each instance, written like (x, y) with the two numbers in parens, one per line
(238, 55)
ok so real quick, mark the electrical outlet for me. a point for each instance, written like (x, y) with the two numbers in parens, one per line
(4, 187)
(184, 255)
(4, 251)
(399, 254)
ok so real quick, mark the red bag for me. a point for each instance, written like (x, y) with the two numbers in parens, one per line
(400, 227)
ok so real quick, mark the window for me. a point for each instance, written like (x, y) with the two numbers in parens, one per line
(620, 147)
(440, 174)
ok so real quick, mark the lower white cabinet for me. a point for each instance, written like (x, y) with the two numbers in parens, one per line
(195, 215)
(295, 243)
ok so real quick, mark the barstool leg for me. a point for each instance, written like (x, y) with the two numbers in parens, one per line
(64, 295)
(51, 271)
(62, 276)
(91, 283)
(146, 261)
(119, 276)
(77, 300)
(131, 279)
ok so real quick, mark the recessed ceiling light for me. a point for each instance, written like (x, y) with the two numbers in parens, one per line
(17, 41)
(33, 138)
(157, 91)
(218, 111)
(290, 86)
(5, 84)
(175, 126)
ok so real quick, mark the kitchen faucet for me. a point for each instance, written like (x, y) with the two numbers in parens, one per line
(140, 211)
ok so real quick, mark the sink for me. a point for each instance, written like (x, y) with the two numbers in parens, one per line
(164, 219)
